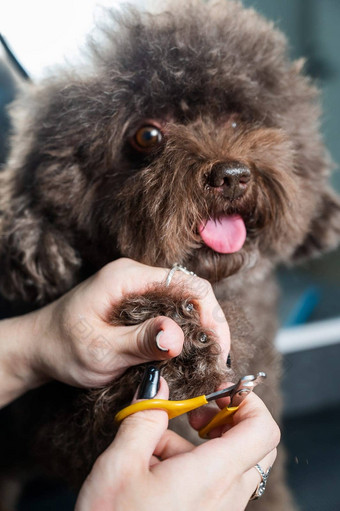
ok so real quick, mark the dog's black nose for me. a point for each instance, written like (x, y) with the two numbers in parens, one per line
(232, 178)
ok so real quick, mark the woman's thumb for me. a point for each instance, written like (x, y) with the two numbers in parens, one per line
(140, 433)
(130, 452)
(156, 339)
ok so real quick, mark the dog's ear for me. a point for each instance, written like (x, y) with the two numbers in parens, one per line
(37, 261)
(324, 229)
(37, 258)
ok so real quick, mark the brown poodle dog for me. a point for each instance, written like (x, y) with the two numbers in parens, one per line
(191, 139)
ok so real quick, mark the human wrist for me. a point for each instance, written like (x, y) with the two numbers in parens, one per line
(20, 357)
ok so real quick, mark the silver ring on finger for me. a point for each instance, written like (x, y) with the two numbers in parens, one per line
(261, 487)
(178, 267)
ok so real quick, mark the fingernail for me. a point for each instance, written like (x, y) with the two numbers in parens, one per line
(150, 383)
(229, 361)
(159, 346)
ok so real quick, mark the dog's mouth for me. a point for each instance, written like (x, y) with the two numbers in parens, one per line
(225, 235)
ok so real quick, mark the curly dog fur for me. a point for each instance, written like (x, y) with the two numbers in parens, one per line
(215, 82)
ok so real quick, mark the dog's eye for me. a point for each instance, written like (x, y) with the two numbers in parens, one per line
(147, 138)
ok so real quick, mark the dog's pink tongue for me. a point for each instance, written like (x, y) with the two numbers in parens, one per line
(225, 235)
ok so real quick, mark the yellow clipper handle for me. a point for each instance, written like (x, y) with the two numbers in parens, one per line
(221, 418)
(173, 408)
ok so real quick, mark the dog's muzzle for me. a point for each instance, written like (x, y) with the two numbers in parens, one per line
(230, 178)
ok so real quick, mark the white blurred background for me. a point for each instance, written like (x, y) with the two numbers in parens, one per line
(42, 33)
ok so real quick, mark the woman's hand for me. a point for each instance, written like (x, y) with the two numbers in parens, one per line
(149, 467)
(71, 340)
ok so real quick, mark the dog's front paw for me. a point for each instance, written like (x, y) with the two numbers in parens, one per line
(199, 368)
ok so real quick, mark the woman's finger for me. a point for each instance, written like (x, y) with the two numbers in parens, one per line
(171, 444)
(250, 421)
(127, 458)
(252, 478)
(156, 339)
(138, 277)
(211, 314)
(139, 434)
(202, 416)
